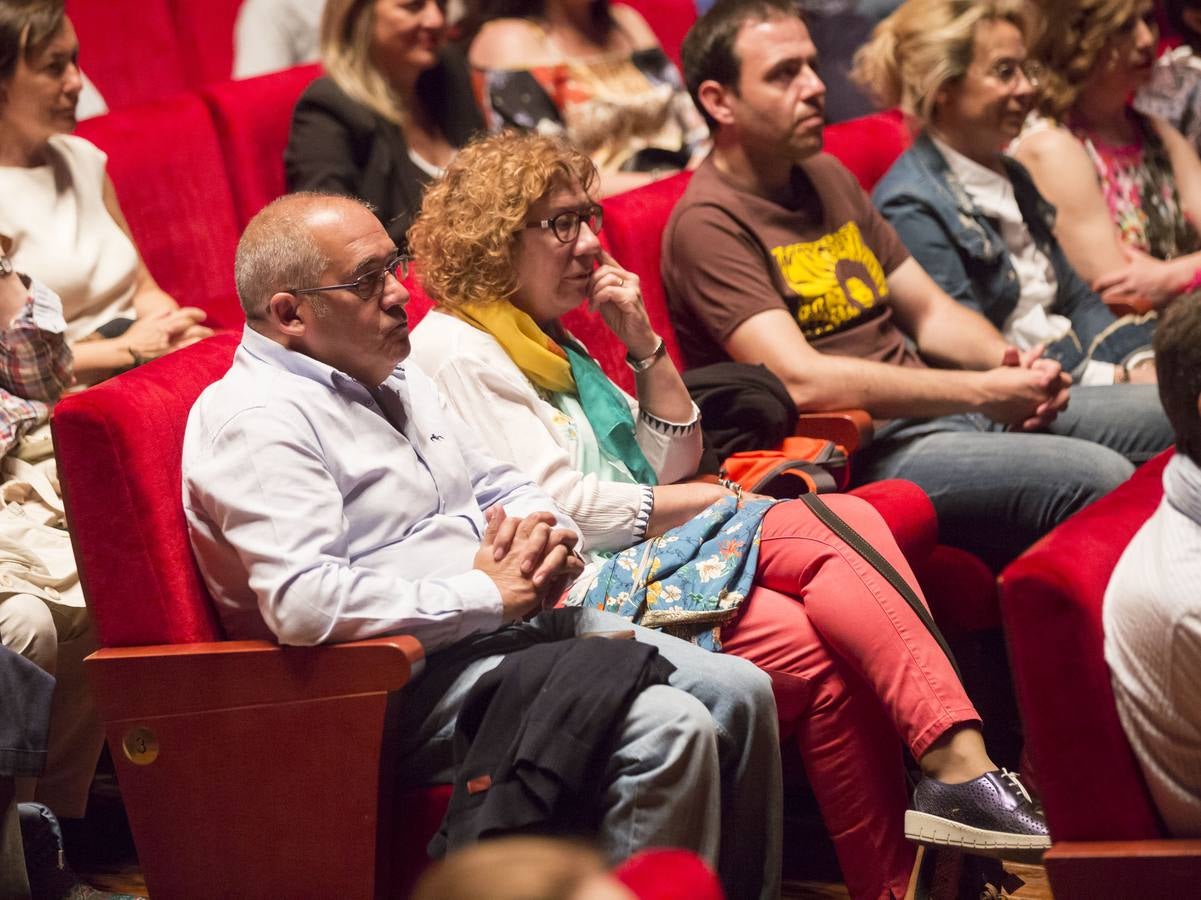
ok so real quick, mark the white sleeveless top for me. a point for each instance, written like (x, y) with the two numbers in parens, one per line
(64, 236)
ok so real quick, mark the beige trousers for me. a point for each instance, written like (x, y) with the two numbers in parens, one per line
(43, 618)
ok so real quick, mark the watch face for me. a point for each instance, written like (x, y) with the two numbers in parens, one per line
(6, 266)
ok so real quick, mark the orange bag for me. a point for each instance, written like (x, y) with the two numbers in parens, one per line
(800, 465)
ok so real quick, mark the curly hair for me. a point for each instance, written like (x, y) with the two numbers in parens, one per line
(1070, 49)
(464, 240)
(926, 43)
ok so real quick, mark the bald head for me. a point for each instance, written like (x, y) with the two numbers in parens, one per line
(279, 250)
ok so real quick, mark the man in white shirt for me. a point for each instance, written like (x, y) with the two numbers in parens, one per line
(331, 497)
(1152, 612)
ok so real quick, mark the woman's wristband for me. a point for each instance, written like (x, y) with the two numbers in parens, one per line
(641, 365)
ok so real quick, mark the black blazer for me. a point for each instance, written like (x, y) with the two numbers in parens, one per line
(338, 146)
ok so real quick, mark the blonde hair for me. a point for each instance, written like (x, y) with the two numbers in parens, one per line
(464, 240)
(1070, 50)
(926, 43)
(347, 27)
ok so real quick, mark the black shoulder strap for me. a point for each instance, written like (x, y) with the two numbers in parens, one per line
(835, 523)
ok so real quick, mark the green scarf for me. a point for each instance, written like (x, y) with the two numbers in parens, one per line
(564, 368)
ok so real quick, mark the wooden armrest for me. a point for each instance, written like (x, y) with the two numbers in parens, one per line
(1121, 869)
(852, 428)
(166, 679)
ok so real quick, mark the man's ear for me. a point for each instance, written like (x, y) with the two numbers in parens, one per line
(283, 308)
(715, 97)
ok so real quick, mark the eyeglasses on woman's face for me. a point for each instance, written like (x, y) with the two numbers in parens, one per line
(566, 225)
(1006, 72)
(369, 285)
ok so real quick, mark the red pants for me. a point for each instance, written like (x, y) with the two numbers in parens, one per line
(853, 667)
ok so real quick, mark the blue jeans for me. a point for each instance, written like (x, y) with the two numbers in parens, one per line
(996, 492)
(696, 764)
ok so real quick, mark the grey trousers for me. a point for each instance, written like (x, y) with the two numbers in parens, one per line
(697, 763)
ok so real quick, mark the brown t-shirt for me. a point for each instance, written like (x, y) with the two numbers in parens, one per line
(729, 254)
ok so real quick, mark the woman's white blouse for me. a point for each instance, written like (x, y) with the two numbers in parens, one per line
(479, 381)
(64, 235)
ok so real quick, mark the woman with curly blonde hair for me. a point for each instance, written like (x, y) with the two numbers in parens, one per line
(1127, 186)
(507, 244)
(970, 215)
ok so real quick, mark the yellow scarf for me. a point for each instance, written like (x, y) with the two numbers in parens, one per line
(542, 360)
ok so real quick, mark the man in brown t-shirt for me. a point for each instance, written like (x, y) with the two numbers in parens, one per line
(775, 255)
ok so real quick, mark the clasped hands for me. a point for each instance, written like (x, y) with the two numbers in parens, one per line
(530, 561)
(1032, 390)
(152, 336)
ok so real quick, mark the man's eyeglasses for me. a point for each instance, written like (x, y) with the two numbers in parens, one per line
(368, 285)
(1006, 71)
(566, 225)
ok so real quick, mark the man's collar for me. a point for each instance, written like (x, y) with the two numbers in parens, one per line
(276, 354)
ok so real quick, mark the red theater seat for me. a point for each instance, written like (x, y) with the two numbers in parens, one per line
(669, 20)
(253, 118)
(869, 145)
(166, 164)
(1108, 840)
(205, 32)
(247, 769)
(129, 49)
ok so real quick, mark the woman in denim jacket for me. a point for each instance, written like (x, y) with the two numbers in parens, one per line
(969, 214)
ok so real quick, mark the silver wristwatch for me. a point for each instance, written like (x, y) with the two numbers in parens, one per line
(641, 365)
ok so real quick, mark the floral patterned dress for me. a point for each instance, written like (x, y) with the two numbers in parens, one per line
(688, 581)
(1140, 190)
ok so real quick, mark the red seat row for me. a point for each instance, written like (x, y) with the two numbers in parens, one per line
(1108, 839)
(191, 170)
(138, 51)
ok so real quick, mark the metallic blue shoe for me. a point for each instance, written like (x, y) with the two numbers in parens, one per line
(992, 815)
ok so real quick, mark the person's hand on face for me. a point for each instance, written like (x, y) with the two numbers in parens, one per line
(616, 294)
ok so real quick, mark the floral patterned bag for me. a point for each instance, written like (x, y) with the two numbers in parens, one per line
(687, 582)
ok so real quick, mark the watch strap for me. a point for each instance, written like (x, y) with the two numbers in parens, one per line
(641, 365)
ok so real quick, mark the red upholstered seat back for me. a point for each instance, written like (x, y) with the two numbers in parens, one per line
(118, 446)
(166, 164)
(1051, 604)
(129, 49)
(253, 118)
(669, 20)
(869, 145)
(205, 31)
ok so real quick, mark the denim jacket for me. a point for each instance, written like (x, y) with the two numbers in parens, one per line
(963, 251)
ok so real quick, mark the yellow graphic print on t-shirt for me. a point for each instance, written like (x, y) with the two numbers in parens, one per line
(837, 278)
